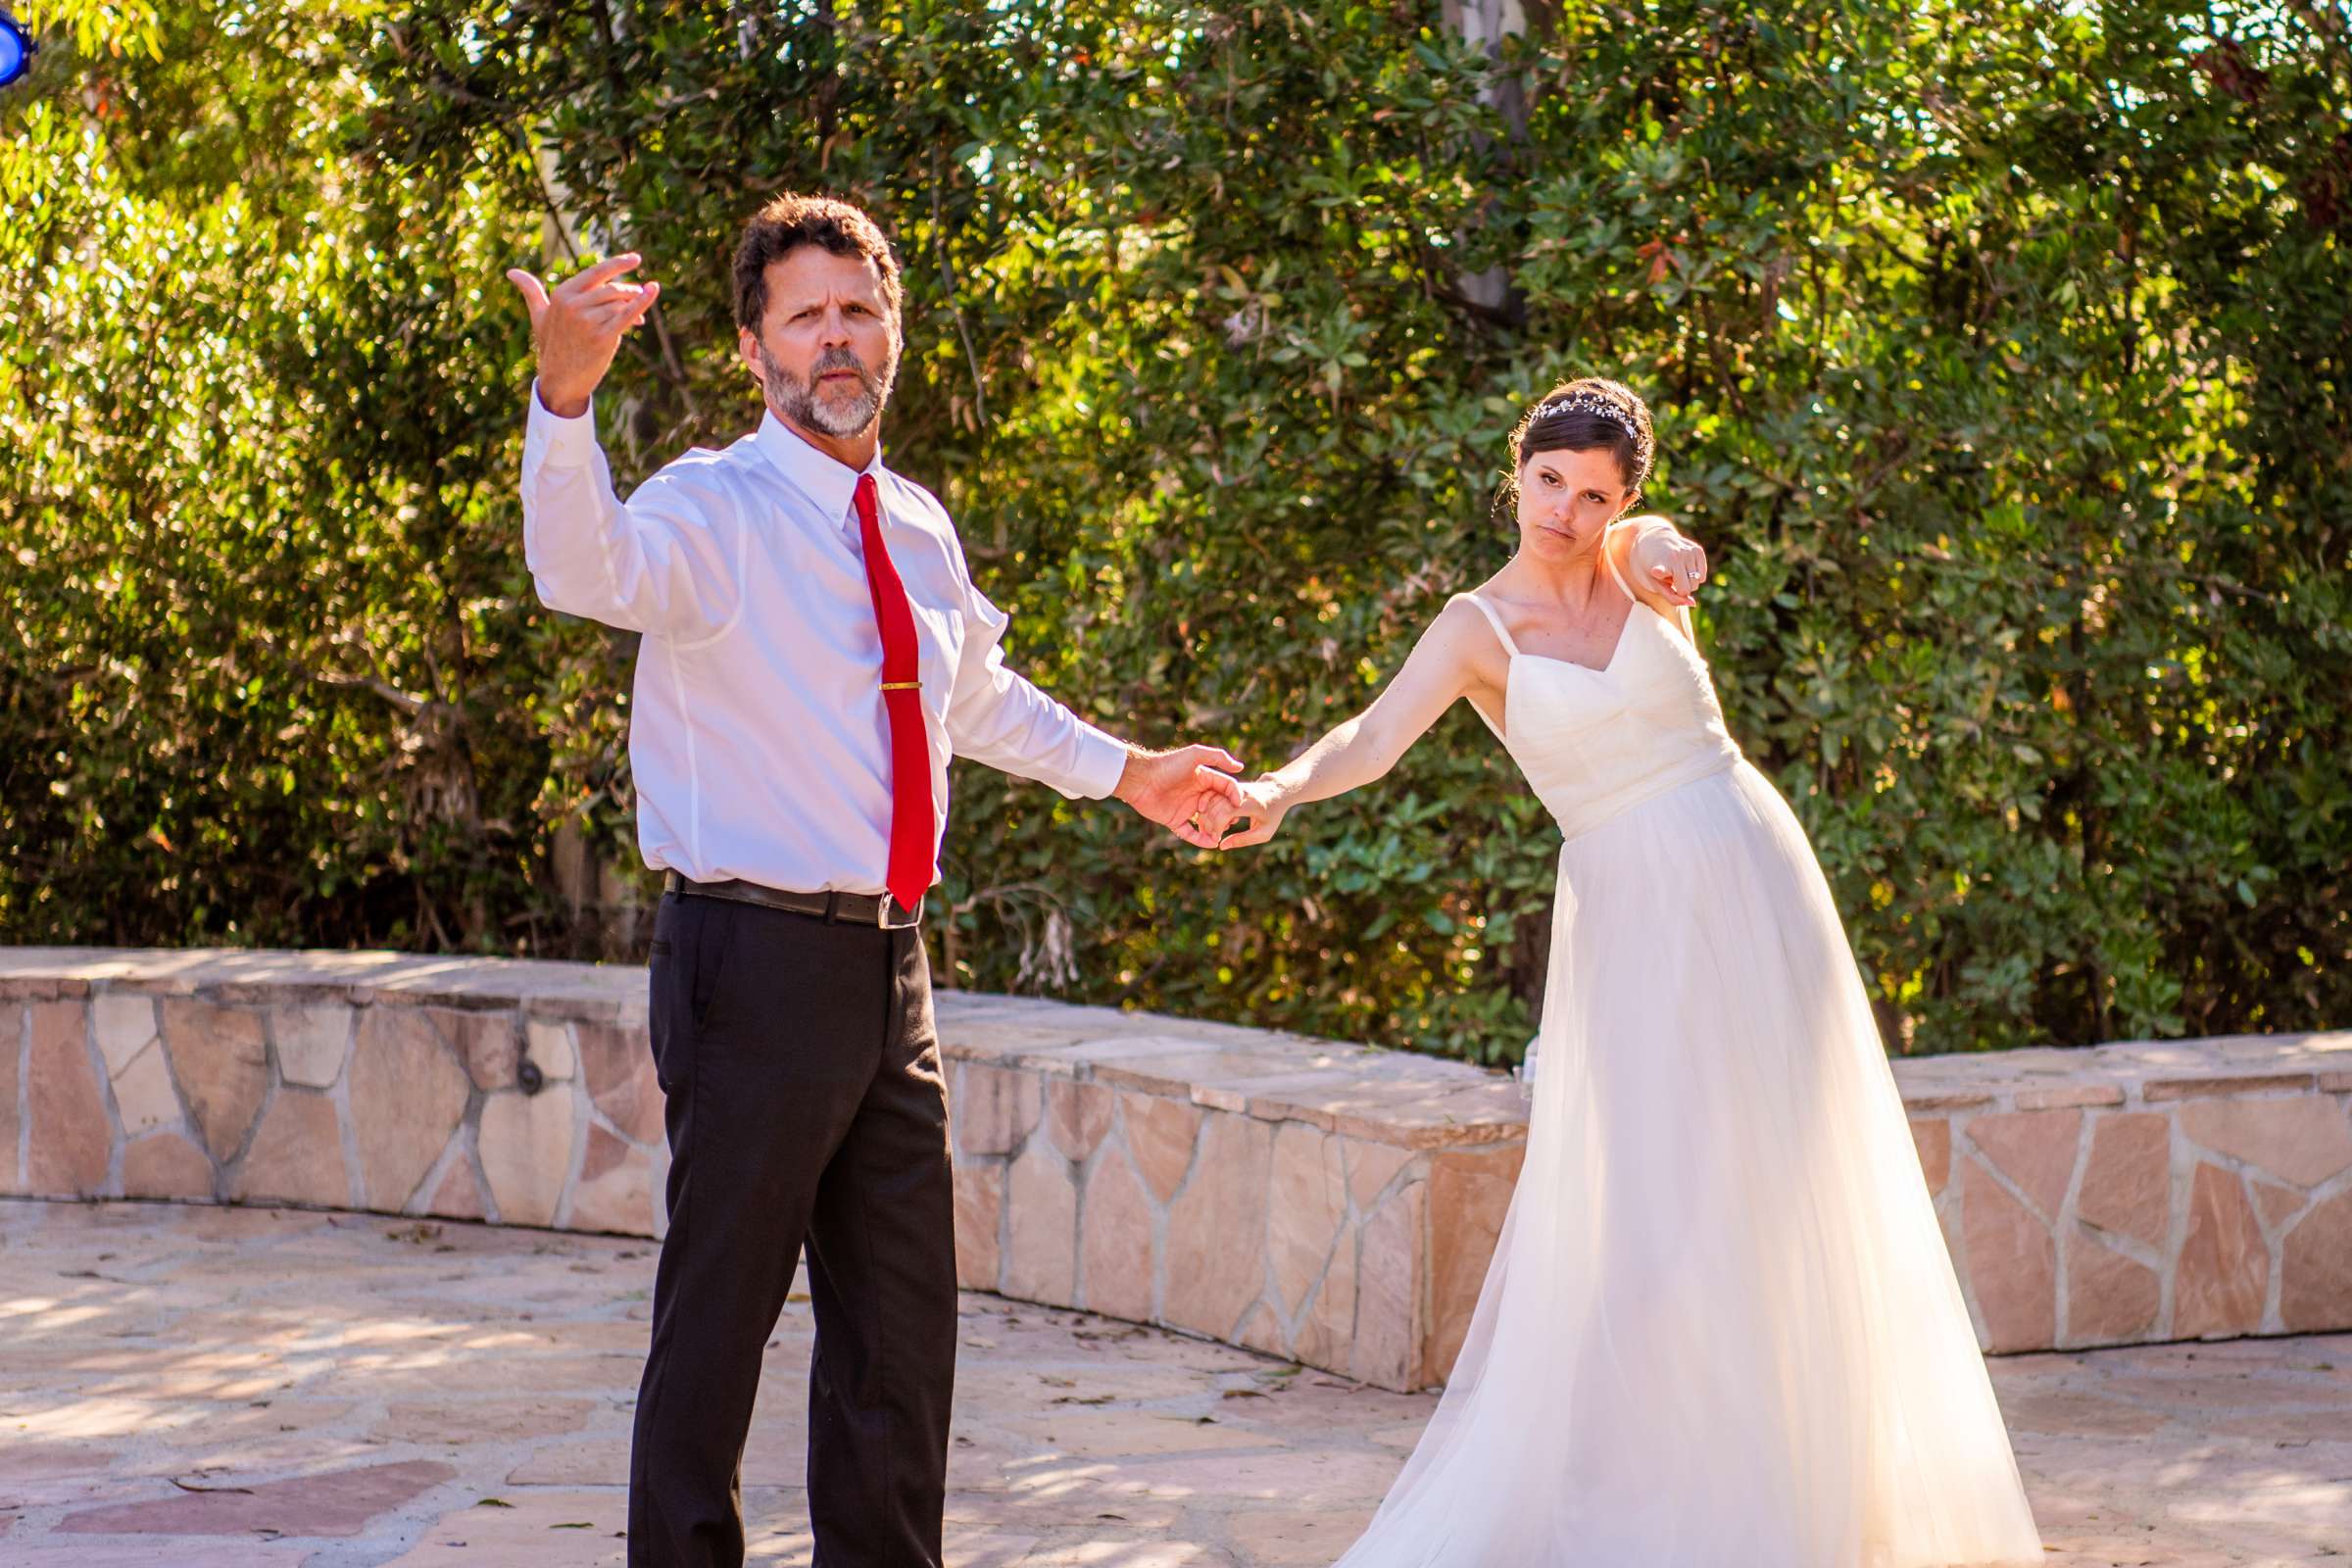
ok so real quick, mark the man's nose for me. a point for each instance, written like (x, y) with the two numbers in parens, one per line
(836, 328)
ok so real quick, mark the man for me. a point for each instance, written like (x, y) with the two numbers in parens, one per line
(814, 651)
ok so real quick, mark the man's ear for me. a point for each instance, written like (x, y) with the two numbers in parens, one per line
(748, 348)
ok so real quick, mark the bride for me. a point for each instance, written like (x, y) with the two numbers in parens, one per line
(1721, 1326)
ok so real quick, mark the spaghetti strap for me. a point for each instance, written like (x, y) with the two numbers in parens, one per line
(1608, 559)
(1510, 647)
(1492, 619)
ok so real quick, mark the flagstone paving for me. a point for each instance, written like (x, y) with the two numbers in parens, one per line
(201, 1387)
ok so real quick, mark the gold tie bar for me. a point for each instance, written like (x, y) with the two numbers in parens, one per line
(902, 685)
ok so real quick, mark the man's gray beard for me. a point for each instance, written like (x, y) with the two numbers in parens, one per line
(796, 400)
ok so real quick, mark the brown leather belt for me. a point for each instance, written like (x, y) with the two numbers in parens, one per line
(877, 909)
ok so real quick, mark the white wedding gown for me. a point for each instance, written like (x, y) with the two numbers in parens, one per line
(1720, 1329)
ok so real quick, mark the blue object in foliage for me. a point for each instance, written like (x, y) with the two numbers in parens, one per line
(16, 49)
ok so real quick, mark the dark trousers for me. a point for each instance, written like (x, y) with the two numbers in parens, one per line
(804, 1106)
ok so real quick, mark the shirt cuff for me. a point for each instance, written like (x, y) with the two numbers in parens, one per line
(1101, 760)
(557, 441)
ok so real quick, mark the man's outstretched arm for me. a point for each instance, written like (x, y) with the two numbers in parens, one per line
(997, 717)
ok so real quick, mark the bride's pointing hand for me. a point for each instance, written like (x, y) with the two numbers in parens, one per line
(1263, 804)
(1664, 560)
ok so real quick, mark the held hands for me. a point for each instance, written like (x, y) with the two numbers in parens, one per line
(1189, 791)
(1265, 803)
(1666, 562)
(579, 325)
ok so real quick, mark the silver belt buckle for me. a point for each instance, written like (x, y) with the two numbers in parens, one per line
(882, 912)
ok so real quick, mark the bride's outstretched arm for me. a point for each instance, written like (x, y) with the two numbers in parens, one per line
(1457, 654)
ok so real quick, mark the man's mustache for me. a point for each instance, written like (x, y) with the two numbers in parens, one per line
(841, 359)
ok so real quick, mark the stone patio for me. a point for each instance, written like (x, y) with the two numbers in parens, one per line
(201, 1387)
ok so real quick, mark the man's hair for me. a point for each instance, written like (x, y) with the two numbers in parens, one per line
(790, 222)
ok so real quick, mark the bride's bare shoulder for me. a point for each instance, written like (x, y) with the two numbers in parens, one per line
(1463, 620)
(1468, 636)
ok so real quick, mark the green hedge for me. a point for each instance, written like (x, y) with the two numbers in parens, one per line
(1998, 355)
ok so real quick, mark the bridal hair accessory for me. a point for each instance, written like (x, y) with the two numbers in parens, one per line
(1587, 403)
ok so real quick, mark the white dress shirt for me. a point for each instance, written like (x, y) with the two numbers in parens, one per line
(757, 734)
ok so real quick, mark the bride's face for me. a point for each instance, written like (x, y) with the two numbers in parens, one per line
(1567, 499)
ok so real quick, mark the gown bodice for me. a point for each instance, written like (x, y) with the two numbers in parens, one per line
(1593, 743)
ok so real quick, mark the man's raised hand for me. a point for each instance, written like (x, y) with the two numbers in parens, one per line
(579, 327)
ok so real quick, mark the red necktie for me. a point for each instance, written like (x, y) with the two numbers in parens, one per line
(910, 822)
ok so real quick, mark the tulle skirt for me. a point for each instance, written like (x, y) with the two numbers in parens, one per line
(1721, 1327)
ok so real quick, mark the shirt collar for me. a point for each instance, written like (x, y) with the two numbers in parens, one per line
(823, 479)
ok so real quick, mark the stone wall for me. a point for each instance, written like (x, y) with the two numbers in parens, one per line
(1322, 1201)
(504, 1090)
(2196, 1188)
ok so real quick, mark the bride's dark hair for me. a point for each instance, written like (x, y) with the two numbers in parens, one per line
(1588, 414)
